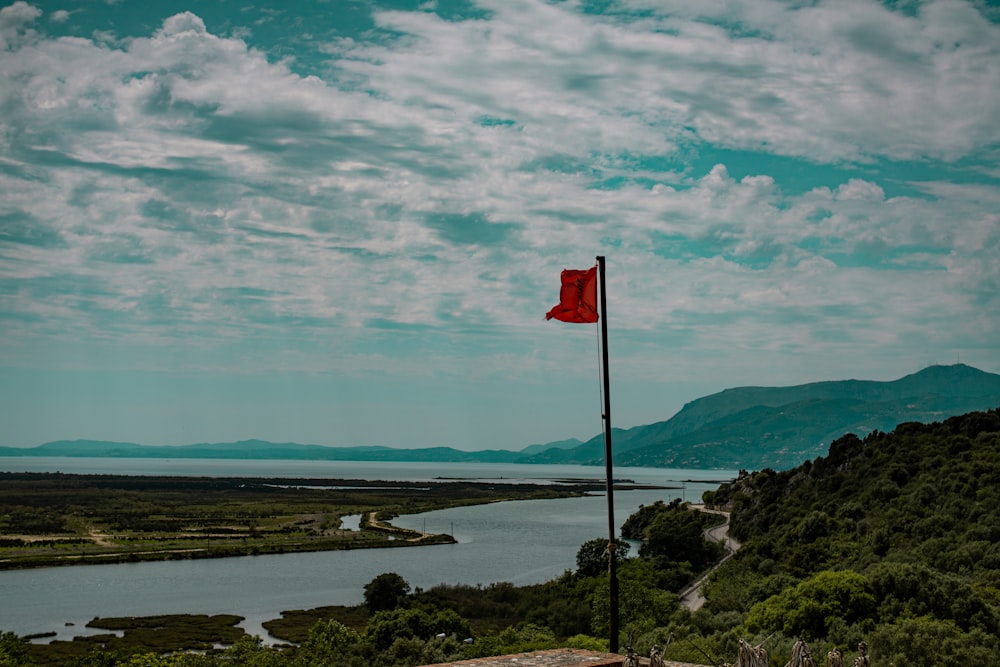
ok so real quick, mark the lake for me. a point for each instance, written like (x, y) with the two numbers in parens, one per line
(523, 542)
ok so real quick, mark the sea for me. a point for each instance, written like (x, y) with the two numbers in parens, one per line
(521, 542)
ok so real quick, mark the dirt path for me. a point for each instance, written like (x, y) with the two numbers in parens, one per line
(414, 535)
(691, 597)
(99, 538)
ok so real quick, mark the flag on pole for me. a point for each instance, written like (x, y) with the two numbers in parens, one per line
(577, 297)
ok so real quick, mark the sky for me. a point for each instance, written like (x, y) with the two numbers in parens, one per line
(343, 222)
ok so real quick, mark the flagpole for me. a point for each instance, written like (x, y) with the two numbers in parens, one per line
(612, 543)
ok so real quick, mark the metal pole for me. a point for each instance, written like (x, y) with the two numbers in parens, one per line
(612, 544)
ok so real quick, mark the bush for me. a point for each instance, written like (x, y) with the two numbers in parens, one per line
(385, 592)
(809, 608)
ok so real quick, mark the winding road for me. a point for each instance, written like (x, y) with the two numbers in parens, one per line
(691, 597)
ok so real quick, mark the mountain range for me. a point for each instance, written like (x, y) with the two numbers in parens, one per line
(780, 427)
(743, 427)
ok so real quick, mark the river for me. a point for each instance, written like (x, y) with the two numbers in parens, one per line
(523, 542)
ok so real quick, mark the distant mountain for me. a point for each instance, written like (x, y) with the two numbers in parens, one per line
(744, 427)
(531, 450)
(780, 427)
(257, 449)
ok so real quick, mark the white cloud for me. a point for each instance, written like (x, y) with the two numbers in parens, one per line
(13, 20)
(182, 23)
(190, 186)
(18, 14)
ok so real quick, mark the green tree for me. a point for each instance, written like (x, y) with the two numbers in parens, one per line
(409, 651)
(518, 638)
(675, 536)
(592, 556)
(385, 592)
(330, 642)
(387, 626)
(250, 651)
(927, 642)
(642, 603)
(809, 608)
(13, 650)
(637, 523)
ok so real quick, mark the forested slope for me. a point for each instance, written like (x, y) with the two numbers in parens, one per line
(779, 427)
(894, 539)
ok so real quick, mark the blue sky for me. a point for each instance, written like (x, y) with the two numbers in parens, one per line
(343, 222)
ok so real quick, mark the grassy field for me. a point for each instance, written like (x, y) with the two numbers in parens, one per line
(51, 519)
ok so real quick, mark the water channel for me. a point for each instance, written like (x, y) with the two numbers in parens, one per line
(523, 542)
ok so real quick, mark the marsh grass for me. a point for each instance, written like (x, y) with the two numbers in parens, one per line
(56, 519)
(176, 632)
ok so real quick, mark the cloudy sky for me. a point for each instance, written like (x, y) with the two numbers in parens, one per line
(343, 222)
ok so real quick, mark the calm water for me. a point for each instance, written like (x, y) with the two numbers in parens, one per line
(523, 542)
(391, 471)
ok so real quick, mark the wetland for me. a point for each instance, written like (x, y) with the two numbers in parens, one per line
(50, 519)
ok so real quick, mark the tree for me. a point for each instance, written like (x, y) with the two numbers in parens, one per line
(519, 638)
(250, 651)
(928, 642)
(675, 536)
(385, 627)
(636, 524)
(592, 557)
(809, 608)
(13, 650)
(642, 603)
(330, 642)
(385, 592)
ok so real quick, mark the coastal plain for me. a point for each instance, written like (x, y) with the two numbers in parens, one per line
(50, 519)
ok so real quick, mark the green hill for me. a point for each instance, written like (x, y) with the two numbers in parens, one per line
(779, 427)
(894, 539)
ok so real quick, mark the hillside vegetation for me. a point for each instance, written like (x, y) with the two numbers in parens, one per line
(779, 427)
(892, 540)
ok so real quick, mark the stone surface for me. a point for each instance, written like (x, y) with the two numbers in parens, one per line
(563, 657)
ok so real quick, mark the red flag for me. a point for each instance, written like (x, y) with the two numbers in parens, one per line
(577, 297)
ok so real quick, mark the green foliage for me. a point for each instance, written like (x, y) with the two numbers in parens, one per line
(927, 642)
(294, 625)
(519, 638)
(13, 650)
(638, 522)
(894, 538)
(673, 539)
(587, 643)
(562, 604)
(907, 590)
(810, 608)
(385, 592)
(412, 651)
(387, 626)
(642, 603)
(592, 557)
(329, 643)
(251, 652)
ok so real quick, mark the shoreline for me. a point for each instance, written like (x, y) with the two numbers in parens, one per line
(57, 519)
